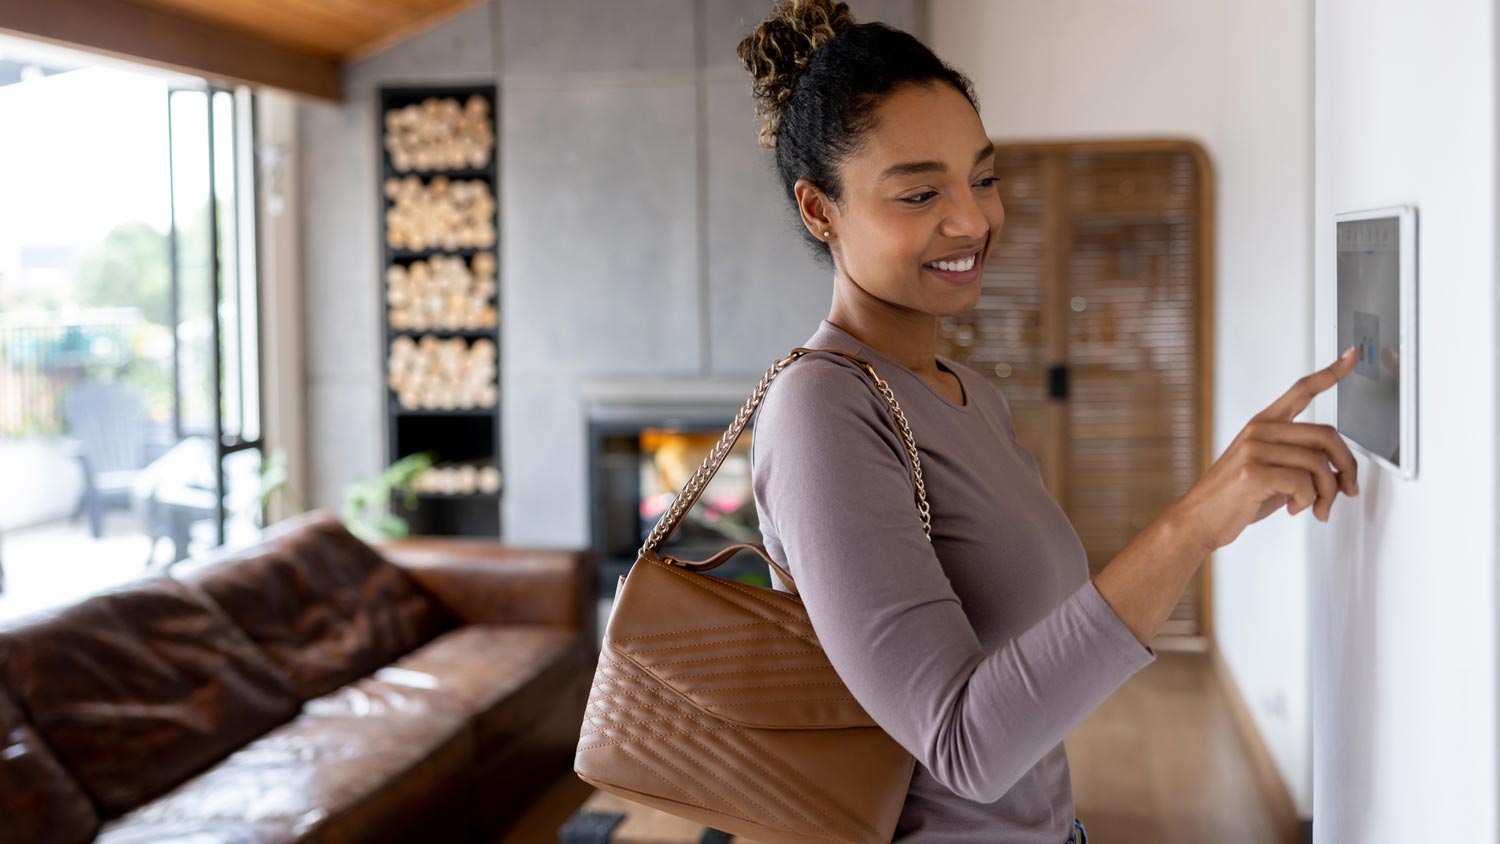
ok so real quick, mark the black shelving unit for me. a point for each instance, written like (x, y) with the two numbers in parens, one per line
(468, 434)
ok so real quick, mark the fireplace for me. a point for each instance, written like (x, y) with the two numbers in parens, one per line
(637, 466)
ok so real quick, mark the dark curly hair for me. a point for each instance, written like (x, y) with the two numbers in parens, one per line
(817, 79)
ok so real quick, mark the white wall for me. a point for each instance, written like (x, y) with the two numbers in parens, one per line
(283, 375)
(1236, 78)
(1404, 592)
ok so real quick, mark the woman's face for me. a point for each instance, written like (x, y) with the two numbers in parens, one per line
(921, 188)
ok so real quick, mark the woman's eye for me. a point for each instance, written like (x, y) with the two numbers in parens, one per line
(920, 198)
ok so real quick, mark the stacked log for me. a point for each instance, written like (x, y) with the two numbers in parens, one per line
(441, 214)
(438, 133)
(442, 293)
(435, 374)
(459, 478)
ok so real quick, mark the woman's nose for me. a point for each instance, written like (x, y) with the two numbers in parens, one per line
(968, 221)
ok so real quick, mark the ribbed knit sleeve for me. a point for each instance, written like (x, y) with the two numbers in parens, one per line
(831, 476)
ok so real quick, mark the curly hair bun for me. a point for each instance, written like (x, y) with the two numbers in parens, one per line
(777, 52)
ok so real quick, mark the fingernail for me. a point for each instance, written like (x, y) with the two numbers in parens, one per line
(1347, 351)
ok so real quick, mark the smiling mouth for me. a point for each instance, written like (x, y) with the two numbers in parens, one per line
(962, 265)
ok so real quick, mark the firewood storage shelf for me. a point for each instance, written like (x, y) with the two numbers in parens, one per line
(467, 434)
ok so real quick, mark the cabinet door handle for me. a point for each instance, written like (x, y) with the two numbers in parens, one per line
(1057, 381)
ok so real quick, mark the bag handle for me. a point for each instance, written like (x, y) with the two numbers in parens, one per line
(715, 458)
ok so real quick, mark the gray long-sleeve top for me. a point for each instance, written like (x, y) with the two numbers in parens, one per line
(977, 652)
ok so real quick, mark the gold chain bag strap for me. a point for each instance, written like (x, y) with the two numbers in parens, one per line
(713, 700)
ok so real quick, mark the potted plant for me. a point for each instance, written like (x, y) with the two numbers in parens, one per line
(367, 504)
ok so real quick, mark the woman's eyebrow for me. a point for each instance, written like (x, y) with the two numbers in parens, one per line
(913, 167)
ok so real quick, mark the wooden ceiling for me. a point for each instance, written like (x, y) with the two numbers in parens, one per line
(341, 29)
(297, 45)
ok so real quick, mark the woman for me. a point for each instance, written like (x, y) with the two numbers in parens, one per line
(979, 650)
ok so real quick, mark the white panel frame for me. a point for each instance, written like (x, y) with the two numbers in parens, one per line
(1406, 215)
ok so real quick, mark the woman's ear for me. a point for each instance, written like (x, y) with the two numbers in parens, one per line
(814, 208)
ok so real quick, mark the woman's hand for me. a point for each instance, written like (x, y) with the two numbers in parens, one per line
(1274, 462)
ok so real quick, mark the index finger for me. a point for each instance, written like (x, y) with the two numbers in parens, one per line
(1296, 400)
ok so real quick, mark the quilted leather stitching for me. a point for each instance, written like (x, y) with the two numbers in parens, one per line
(596, 701)
(816, 821)
(601, 680)
(655, 734)
(696, 630)
(764, 808)
(769, 702)
(780, 669)
(628, 675)
(610, 697)
(692, 798)
(629, 672)
(804, 786)
(697, 583)
(621, 727)
(795, 781)
(698, 801)
(713, 644)
(687, 735)
(647, 687)
(711, 724)
(601, 712)
(821, 816)
(846, 698)
(702, 690)
(723, 657)
(795, 778)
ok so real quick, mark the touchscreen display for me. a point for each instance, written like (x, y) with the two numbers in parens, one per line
(1369, 316)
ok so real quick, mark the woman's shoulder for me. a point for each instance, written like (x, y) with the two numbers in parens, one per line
(823, 397)
(819, 382)
(823, 409)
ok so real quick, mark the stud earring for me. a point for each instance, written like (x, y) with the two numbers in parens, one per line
(825, 234)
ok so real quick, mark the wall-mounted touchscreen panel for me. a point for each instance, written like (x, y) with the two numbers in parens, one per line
(1376, 305)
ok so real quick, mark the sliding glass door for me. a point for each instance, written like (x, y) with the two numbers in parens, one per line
(215, 296)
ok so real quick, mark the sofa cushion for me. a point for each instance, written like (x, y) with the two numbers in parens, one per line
(141, 686)
(379, 776)
(39, 800)
(501, 678)
(323, 605)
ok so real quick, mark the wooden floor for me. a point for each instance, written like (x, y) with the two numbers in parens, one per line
(1159, 763)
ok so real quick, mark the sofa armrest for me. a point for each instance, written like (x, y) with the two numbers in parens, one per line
(487, 582)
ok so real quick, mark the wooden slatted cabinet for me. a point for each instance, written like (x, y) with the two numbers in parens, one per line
(1095, 322)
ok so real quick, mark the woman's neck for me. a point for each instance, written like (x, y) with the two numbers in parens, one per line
(908, 339)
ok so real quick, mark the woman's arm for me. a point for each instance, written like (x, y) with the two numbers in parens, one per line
(1272, 462)
(831, 477)
(1144, 582)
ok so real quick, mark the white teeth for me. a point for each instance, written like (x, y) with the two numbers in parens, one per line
(954, 266)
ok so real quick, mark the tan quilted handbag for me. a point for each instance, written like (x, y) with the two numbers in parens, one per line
(714, 702)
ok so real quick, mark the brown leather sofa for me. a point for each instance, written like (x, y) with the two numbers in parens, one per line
(306, 689)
